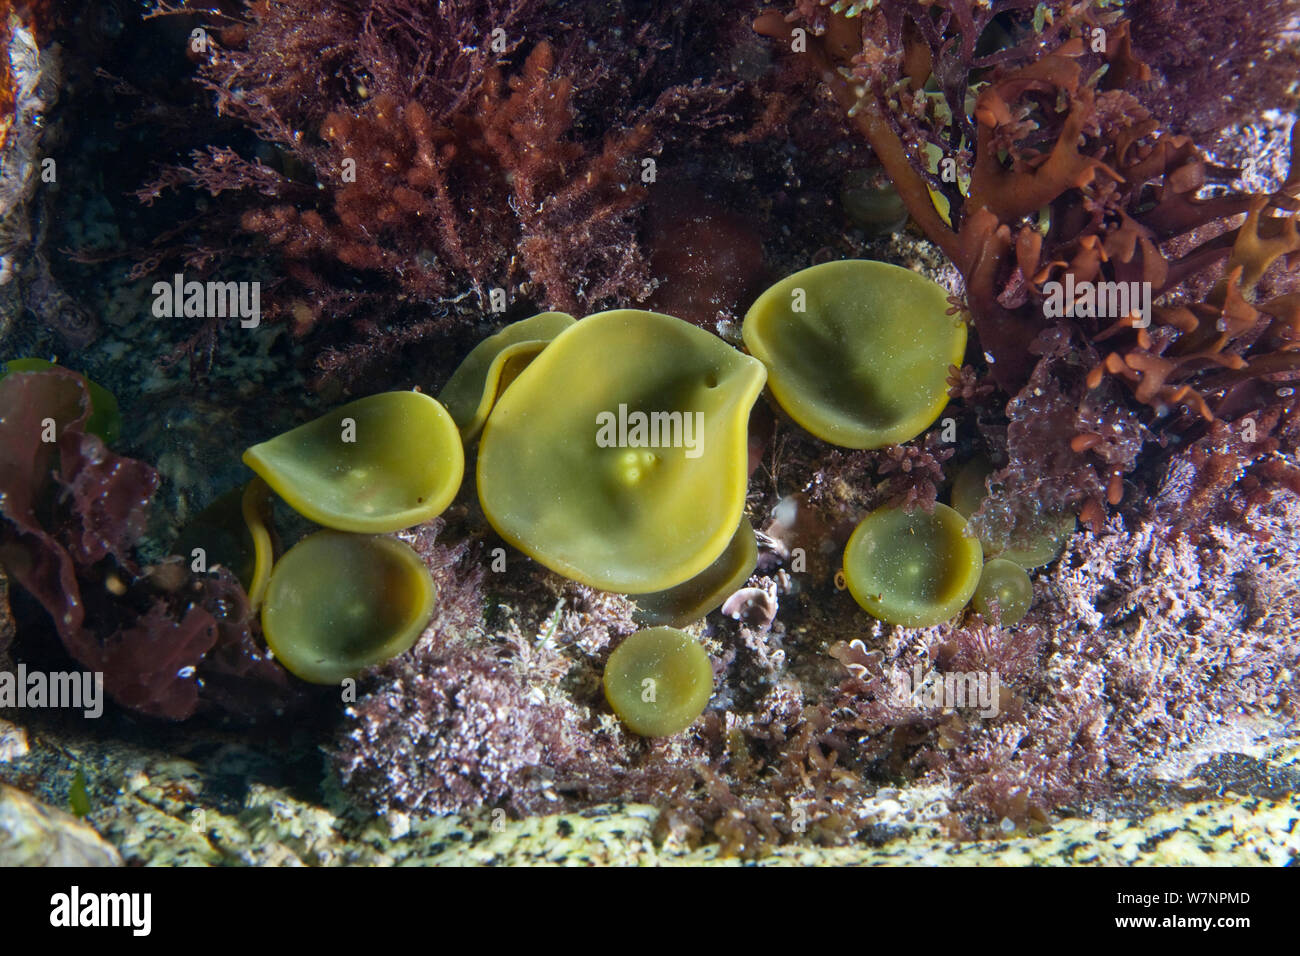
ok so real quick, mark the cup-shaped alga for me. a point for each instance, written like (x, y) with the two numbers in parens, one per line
(618, 457)
(658, 681)
(857, 352)
(492, 365)
(378, 464)
(913, 568)
(339, 603)
(691, 600)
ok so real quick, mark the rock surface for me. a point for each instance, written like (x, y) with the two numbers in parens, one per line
(157, 809)
(35, 834)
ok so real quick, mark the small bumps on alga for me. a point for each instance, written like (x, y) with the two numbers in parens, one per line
(378, 464)
(912, 568)
(1004, 592)
(857, 352)
(339, 603)
(492, 365)
(658, 681)
(691, 600)
(618, 458)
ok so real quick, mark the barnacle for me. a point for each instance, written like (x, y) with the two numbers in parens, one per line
(1005, 585)
(695, 598)
(914, 569)
(619, 456)
(857, 352)
(378, 464)
(658, 681)
(339, 603)
(492, 365)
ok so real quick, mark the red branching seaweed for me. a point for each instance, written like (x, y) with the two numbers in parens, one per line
(72, 510)
(1073, 185)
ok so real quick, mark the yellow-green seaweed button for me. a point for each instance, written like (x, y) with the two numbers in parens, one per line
(619, 457)
(857, 352)
(221, 532)
(695, 598)
(338, 603)
(378, 464)
(1041, 544)
(1005, 584)
(235, 531)
(914, 569)
(492, 365)
(258, 518)
(658, 681)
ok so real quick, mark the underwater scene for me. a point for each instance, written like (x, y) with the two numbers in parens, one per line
(632, 432)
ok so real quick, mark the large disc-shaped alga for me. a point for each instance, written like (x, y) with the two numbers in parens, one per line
(618, 456)
(695, 598)
(857, 352)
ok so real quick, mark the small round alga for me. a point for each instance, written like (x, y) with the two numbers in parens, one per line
(857, 352)
(338, 603)
(912, 568)
(1038, 541)
(378, 464)
(658, 681)
(1006, 585)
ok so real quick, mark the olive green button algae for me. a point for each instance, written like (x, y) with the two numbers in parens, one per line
(338, 603)
(857, 352)
(1005, 585)
(913, 569)
(379, 464)
(493, 364)
(618, 458)
(223, 534)
(658, 681)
